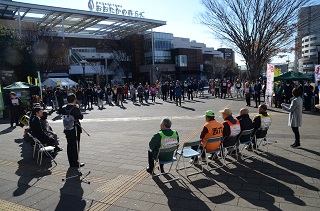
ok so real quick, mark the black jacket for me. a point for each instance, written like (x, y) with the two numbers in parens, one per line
(75, 112)
(245, 124)
(37, 131)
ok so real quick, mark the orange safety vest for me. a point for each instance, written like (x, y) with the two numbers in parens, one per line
(215, 129)
(235, 129)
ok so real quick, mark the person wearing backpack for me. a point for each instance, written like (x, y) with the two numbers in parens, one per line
(73, 132)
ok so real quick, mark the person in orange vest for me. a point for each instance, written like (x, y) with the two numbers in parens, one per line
(211, 129)
(231, 129)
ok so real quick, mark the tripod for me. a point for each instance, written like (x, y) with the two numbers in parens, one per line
(80, 173)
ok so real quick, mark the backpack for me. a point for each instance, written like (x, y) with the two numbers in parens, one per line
(68, 120)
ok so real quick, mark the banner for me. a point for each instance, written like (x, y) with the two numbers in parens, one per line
(1, 100)
(316, 74)
(270, 82)
(36, 81)
(58, 83)
(29, 79)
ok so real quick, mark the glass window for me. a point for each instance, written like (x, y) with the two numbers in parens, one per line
(181, 60)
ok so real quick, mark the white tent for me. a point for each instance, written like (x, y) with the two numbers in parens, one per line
(52, 82)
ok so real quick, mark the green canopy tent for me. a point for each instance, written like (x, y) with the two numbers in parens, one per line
(293, 76)
(23, 90)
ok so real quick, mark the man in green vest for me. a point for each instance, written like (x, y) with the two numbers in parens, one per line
(164, 138)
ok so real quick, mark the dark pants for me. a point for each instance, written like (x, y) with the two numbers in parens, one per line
(73, 147)
(190, 95)
(296, 135)
(307, 103)
(151, 162)
(217, 92)
(257, 98)
(14, 117)
(248, 100)
(178, 99)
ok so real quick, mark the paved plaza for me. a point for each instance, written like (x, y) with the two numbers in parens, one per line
(116, 154)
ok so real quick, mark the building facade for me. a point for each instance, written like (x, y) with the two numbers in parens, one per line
(308, 37)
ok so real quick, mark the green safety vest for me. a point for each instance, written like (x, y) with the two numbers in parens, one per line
(168, 141)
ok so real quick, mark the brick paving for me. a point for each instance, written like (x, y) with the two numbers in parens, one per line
(116, 154)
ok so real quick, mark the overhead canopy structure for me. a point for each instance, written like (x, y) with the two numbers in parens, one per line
(18, 85)
(293, 76)
(52, 82)
(104, 20)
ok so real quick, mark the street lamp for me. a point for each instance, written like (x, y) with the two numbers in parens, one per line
(83, 64)
(318, 49)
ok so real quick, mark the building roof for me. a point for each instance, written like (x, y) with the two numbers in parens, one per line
(57, 21)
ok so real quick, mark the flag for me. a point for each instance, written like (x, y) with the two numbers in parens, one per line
(29, 79)
(270, 81)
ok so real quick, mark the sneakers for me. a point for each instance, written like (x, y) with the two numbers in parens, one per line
(58, 149)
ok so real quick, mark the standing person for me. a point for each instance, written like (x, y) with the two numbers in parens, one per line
(178, 94)
(224, 87)
(140, 90)
(287, 92)
(59, 96)
(278, 94)
(132, 93)
(238, 88)
(79, 96)
(247, 93)
(120, 95)
(146, 93)
(308, 93)
(217, 88)
(153, 92)
(164, 137)
(100, 95)
(73, 134)
(126, 92)
(89, 96)
(15, 108)
(195, 88)
(229, 88)
(190, 91)
(164, 90)
(171, 91)
(257, 92)
(201, 88)
(295, 116)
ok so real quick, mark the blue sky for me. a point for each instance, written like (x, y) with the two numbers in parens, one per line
(180, 15)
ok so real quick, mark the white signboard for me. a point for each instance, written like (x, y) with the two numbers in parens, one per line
(270, 82)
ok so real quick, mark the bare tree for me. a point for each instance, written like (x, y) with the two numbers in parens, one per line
(256, 29)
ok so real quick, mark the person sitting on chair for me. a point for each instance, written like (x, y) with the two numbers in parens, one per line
(211, 129)
(38, 132)
(245, 124)
(47, 129)
(231, 129)
(261, 122)
(158, 141)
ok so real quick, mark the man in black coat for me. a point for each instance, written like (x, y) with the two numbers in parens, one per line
(308, 93)
(257, 92)
(38, 132)
(73, 134)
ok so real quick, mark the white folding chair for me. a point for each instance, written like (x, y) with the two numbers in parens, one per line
(248, 142)
(261, 137)
(188, 152)
(170, 149)
(216, 152)
(41, 149)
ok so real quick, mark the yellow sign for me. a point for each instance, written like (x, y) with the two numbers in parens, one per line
(58, 83)
(36, 81)
(29, 79)
(277, 72)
